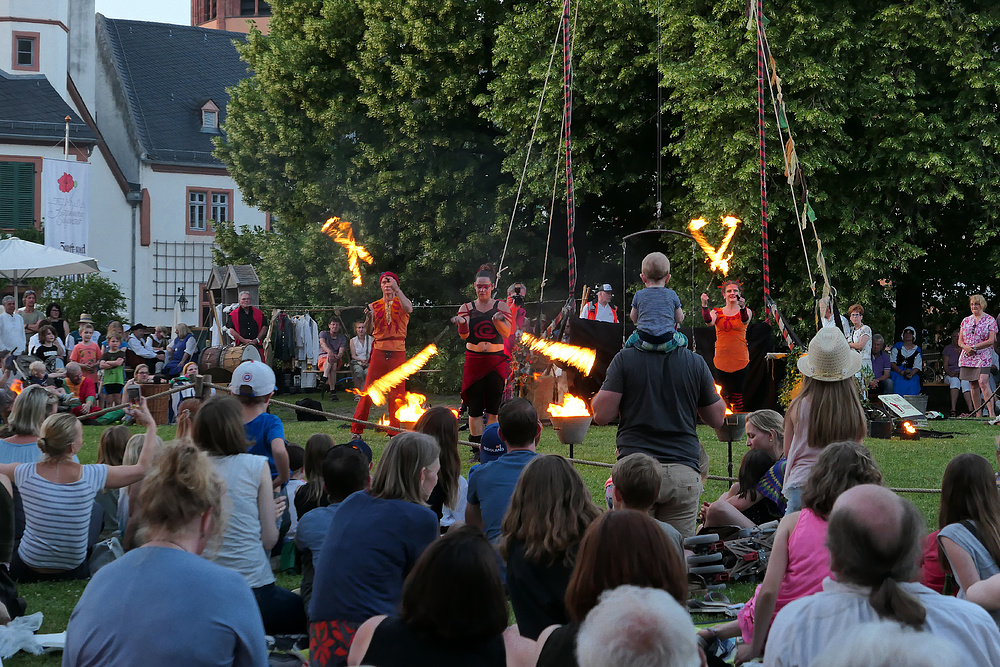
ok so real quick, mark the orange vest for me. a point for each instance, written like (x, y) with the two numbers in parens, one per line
(389, 329)
(592, 312)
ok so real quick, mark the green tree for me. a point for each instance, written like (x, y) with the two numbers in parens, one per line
(363, 109)
(892, 105)
(92, 293)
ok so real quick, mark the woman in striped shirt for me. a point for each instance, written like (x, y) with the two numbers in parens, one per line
(58, 496)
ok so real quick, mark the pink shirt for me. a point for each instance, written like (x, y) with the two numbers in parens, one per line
(975, 333)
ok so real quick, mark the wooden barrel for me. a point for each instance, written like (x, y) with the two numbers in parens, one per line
(227, 357)
(158, 407)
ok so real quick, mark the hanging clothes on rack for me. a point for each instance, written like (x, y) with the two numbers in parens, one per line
(283, 337)
(306, 339)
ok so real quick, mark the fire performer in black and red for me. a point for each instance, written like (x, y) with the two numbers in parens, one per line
(483, 324)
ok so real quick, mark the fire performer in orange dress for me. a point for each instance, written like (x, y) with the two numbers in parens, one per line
(386, 321)
(731, 354)
(483, 324)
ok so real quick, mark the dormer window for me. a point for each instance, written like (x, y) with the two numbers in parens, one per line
(210, 117)
(25, 55)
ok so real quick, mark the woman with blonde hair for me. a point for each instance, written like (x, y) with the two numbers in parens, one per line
(549, 512)
(373, 542)
(58, 496)
(448, 499)
(977, 334)
(166, 584)
(251, 528)
(826, 410)
(20, 433)
(180, 350)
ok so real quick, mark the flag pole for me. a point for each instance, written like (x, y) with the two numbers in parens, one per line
(66, 143)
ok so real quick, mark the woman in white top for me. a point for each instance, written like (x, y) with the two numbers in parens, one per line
(861, 335)
(251, 513)
(58, 497)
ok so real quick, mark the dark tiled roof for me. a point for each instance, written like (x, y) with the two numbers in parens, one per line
(169, 72)
(30, 108)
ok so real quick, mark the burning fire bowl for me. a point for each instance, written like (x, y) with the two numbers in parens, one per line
(733, 428)
(409, 426)
(571, 430)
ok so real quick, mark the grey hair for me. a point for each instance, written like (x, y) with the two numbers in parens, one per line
(887, 644)
(879, 338)
(637, 627)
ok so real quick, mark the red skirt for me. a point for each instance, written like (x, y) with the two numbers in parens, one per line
(480, 364)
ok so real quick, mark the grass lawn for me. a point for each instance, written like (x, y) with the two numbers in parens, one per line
(910, 464)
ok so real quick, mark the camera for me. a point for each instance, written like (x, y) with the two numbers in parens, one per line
(517, 296)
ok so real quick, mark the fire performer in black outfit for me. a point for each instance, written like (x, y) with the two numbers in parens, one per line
(483, 324)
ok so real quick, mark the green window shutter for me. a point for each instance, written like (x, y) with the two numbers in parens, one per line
(17, 195)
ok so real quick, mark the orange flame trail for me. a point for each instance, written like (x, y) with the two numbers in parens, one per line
(571, 407)
(380, 387)
(718, 262)
(581, 358)
(412, 407)
(16, 386)
(340, 231)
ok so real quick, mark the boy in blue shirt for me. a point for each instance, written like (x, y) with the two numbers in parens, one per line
(253, 385)
(656, 309)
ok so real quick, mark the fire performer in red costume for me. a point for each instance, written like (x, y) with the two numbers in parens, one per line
(483, 324)
(386, 321)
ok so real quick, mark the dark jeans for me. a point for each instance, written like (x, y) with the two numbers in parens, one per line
(281, 609)
(23, 574)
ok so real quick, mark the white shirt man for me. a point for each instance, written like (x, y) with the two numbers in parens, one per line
(602, 311)
(11, 327)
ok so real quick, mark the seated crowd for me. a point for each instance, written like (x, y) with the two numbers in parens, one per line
(406, 562)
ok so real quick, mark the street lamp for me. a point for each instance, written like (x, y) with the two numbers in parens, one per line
(182, 300)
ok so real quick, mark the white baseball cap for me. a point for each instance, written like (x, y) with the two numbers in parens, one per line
(252, 378)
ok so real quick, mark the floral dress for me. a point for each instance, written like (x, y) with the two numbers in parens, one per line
(974, 333)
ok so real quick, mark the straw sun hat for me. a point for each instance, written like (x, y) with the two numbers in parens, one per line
(830, 358)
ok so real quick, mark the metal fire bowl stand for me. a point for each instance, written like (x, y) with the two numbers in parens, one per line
(733, 428)
(571, 430)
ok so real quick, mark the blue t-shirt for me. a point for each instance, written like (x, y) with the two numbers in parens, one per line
(261, 430)
(656, 306)
(159, 606)
(313, 527)
(371, 546)
(492, 484)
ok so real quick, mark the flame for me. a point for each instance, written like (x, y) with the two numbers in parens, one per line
(383, 420)
(908, 427)
(16, 386)
(571, 407)
(411, 408)
(340, 231)
(581, 358)
(454, 412)
(718, 262)
(718, 390)
(380, 387)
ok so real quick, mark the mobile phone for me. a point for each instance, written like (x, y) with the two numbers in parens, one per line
(134, 394)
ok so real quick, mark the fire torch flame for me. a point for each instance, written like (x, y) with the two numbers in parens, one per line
(581, 358)
(383, 420)
(340, 231)
(378, 389)
(411, 408)
(571, 407)
(908, 427)
(718, 390)
(16, 386)
(715, 256)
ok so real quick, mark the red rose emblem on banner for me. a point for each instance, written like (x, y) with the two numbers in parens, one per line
(66, 183)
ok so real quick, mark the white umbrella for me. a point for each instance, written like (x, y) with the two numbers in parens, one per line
(20, 260)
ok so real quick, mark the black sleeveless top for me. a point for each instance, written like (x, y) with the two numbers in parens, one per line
(482, 329)
(395, 645)
(559, 650)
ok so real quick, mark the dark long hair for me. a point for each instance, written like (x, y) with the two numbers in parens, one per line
(969, 493)
(753, 466)
(454, 591)
(624, 547)
(440, 422)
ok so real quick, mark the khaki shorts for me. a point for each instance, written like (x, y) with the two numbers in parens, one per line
(680, 497)
(972, 373)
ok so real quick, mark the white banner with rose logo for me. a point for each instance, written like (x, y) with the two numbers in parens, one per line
(66, 204)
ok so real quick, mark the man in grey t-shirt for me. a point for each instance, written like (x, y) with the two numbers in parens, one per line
(658, 399)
